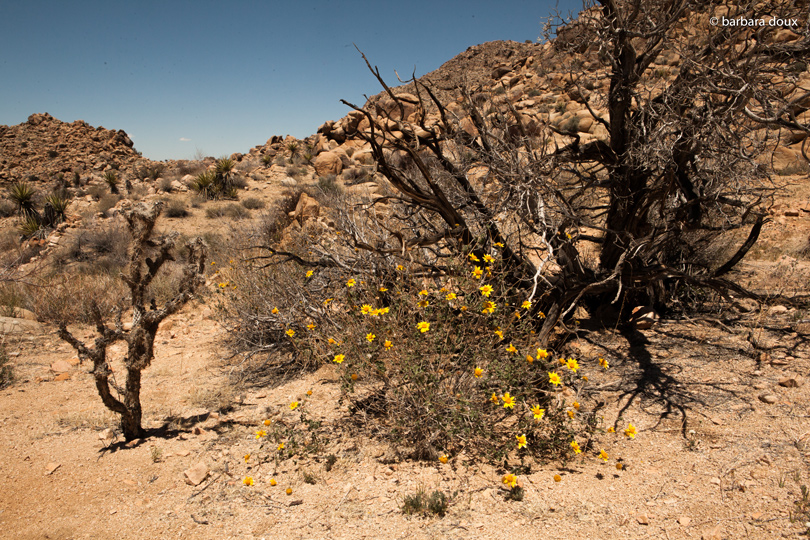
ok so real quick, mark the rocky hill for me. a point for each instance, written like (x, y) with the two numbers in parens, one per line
(44, 146)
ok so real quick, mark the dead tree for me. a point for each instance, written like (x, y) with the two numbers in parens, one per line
(679, 167)
(147, 255)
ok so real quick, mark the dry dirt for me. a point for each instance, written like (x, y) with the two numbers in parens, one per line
(732, 471)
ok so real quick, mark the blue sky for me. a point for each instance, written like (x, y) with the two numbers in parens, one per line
(221, 77)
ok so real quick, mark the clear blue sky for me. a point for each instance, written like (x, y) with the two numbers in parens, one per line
(223, 77)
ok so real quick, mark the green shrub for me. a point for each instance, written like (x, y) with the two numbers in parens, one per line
(232, 211)
(421, 503)
(175, 209)
(6, 369)
(253, 203)
(22, 196)
(112, 181)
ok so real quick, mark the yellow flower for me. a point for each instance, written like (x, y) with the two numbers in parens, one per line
(585, 378)
(423, 326)
(494, 398)
(499, 333)
(576, 405)
(611, 429)
(311, 326)
(511, 349)
(630, 431)
(521, 439)
(400, 267)
(527, 304)
(370, 337)
(570, 414)
(603, 455)
(542, 354)
(561, 361)
(477, 272)
(603, 363)
(309, 273)
(375, 313)
(478, 372)
(553, 378)
(510, 480)
(538, 412)
(473, 257)
(290, 332)
(248, 481)
(309, 392)
(529, 358)
(273, 482)
(293, 405)
(541, 314)
(261, 433)
(489, 307)
(365, 309)
(572, 364)
(575, 446)
(423, 292)
(326, 302)
(557, 478)
(450, 296)
(383, 311)
(223, 285)
(388, 344)
(382, 289)
(338, 358)
(280, 447)
(516, 315)
(288, 491)
(619, 466)
(267, 422)
(443, 458)
(486, 290)
(423, 303)
(351, 283)
(332, 341)
(508, 401)
(355, 376)
(247, 458)
(488, 258)
(274, 311)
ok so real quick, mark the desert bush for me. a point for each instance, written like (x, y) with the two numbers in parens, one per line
(148, 171)
(232, 211)
(106, 203)
(165, 185)
(253, 203)
(111, 179)
(219, 182)
(328, 184)
(6, 369)
(7, 208)
(22, 195)
(176, 209)
(420, 503)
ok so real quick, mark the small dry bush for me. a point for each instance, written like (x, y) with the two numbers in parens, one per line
(253, 203)
(439, 364)
(231, 211)
(175, 209)
(6, 369)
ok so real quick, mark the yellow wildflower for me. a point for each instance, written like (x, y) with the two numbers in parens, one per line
(423, 326)
(478, 372)
(541, 314)
(450, 296)
(527, 304)
(443, 458)
(273, 482)
(423, 292)
(570, 414)
(473, 257)
(332, 341)
(486, 290)
(274, 311)
(498, 244)
(247, 458)
(630, 431)
(338, 358)
(388, 344)
(293, 405)
(554, 379)
(370, 337)
(309, 273)
(499, 333)
(261, 433)
(280, 447)
(521, 439)
(489, 307)
(603, 455)
(290, 332)
(529, 358)
(603, 363)
(538, 412)
(511, 349)
(382, 289)
(477, 272)
(572, 364)
(542, 354)
(494, 398)
(311, 326)
(383, 311)
(611, 429)
(365, 309)
(309, 392)
(288, 491)
(576, 405)
(508, 401)
(351, 283)
(423, 303)
(326, 302)
(248, 481)
(510, 480)
(267, 422)
(557, 478)
(488, 258)
(575, 446)
(400, 267)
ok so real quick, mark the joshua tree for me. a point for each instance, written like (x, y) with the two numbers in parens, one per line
(147, 256)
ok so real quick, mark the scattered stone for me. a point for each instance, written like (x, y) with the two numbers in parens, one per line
(715, 533)
(51, 468)
(182, 453)
(684, 521)
(107, 435)
(62, 377)
(196, 474)
(133, 443)
(716, 420)
(791, 381)
(643, 519)
(61, 366)
(768, 398)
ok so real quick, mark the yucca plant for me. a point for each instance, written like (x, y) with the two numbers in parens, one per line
(112, 181)
(58, 205)
(32, 228)
(204, 184)
(22, 195)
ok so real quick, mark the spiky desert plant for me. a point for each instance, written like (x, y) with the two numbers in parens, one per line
(204, 184)
(22, 195)
(58, 206)
(112, 181)
(147, 255)
(31, 228)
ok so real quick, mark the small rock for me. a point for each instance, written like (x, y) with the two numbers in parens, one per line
(61, 366)
(196, 474)
(715, 481)
(62, 377)
(133, 443)
(791, 381)
(684, 521)
(716, 420)
(107, 435)
(182, 453)
(643, 519)
(768, 398)
(198, 431)
(715, 533)
(51, 468)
